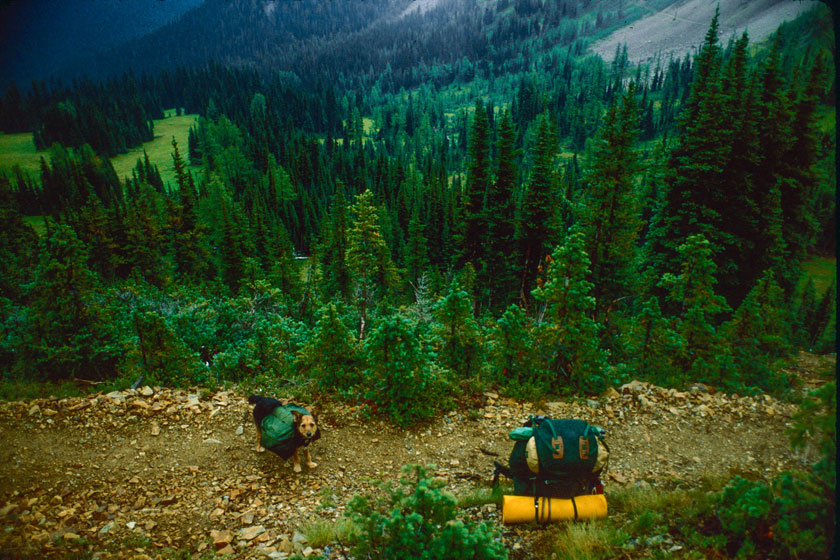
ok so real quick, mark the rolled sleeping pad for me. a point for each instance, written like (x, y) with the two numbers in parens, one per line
(524, 509)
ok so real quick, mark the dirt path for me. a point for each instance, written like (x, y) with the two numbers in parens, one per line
(149, 471)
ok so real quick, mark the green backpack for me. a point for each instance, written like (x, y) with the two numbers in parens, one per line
(278, 430)
(556, 458)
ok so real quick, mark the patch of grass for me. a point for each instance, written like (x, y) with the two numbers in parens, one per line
(159, 149)
(23, 390)
(36, 223)
(581, 541)
(19, 149)
(482, 495)
(137, 541)
(322, 532)
(822, 270)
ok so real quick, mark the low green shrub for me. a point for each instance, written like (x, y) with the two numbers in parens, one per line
(417, 519)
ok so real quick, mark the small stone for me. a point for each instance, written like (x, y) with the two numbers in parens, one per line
(221, 539)
(131, 525)
(240, 430)
(634, 386)
(592, 403)
(250, 533)
(610, 393)
(147, 391)
(155, 429)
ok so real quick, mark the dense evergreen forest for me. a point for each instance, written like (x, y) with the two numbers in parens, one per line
(551, 227)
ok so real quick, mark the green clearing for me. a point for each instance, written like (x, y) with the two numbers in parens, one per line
(19, 149)
(159, 149)
(822, 270)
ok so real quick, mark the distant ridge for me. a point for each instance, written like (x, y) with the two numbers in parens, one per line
(679, 28)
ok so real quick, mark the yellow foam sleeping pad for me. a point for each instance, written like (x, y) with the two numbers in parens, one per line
(524, 509)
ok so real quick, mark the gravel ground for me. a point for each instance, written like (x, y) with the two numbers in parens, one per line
(141, 472)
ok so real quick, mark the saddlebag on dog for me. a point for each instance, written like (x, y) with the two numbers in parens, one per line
(278, 432)
(556, 458)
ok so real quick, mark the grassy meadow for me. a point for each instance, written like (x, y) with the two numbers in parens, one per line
(159, 149)
(822, 270)
(19, 149)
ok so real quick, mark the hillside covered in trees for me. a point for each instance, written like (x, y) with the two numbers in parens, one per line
(408, 215)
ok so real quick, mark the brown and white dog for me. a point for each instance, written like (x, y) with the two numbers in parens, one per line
(305, 429)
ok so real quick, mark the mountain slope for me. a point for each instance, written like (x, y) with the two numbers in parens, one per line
(39, 38)
(679, 28)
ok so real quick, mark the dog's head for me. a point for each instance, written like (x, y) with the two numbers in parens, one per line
(305, 424)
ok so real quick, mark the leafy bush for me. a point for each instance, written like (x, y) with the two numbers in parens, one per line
(400, 376)
(418, 520)
(164, 358)
(331, 354)
(794, 516)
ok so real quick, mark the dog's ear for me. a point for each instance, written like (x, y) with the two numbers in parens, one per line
(297, 416)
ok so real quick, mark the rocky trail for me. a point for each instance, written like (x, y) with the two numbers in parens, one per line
(141, 473)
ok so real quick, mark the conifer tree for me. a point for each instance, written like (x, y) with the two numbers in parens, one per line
(697, 308)
(458, 332)
(333, 249)
(798, 187)
(331, 354)
(164, 358)
(191, 257)
(510, 353)
(71, 335)
(416, 256)
(368, 257)
(611, 216)
(570, 332)
(398, 377)
(472, 230)
(232, 244)
(758, 336)
(501, 206)
(145, 239)
(652, 345)
(534, 227)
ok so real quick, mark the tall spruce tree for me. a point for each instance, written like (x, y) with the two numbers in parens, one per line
(473, 225)
(368, 257)
(501, 226)
(333, 249)
(71, 334)
(611, 216)
(535, 225)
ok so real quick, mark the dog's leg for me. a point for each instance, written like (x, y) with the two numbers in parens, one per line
(309, 462)
(260, 448)
(296, 461)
